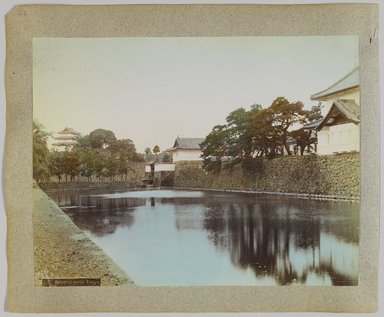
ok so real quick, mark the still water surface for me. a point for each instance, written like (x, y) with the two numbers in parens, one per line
(169, 237)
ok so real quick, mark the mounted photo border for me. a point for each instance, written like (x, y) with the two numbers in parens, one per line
(24, 23)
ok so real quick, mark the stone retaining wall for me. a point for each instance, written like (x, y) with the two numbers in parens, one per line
(335, 176)
(106, 185)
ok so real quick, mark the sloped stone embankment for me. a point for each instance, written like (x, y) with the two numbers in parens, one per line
(63, 251)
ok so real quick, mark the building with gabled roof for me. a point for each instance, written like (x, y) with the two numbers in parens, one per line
(186, 149)
(342, 111)
(339, 131)
(347, 87)
(66, 139)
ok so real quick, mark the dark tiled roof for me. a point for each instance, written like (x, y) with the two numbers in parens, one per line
(348, 108)
(68, 137)
(351, 80)
(187, 143)
(69, 131)
(69, 143)
(312, 125)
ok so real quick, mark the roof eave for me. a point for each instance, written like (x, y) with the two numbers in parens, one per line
(181, 148)
(317, 96)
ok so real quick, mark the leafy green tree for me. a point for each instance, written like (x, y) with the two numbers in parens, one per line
(111, 167)
(71, 164)
(124, 168)
(167, 158)
(99, 154)
(123, 149)
(56, 164)
(239, 126)
(87, 158)
(147, 151)
(83, 142)
(305, 137)
(265, 135)
(40, 152)
(315, 113)
(101, 139)
(285, 114)
(156, 149)
(215, 147)
(99, 164)
(138, 157)
(271, 126)
(234, 140)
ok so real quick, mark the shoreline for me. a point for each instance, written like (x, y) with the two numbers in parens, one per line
(288, 194)
(245, 191)
(63, 251)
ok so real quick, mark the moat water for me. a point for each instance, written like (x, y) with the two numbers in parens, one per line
(180, 237)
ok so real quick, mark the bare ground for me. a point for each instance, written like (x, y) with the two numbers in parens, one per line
(62, 250)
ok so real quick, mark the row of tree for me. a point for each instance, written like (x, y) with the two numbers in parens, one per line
(99, 154)
(258, 132)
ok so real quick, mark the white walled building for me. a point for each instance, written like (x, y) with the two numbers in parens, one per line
(186, 149)
(65, 139)
(339, 131)
(159, 167)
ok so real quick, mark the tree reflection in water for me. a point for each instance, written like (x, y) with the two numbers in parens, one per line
(92, 212)
(288, 239)
(280, 239)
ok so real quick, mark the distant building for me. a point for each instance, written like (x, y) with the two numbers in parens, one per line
(339, 131)
(65, 139)
(159, 174)
(152, 167)
(311, 140)
(186, 149)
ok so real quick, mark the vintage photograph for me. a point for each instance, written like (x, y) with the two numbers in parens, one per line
(196, 161)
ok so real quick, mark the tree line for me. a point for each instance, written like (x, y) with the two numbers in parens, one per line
(258, 132)
(97, 155)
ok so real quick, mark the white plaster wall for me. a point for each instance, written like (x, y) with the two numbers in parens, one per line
(164, 167)
(186, 155)
(147, 168)
(339, 138)
(353, 94)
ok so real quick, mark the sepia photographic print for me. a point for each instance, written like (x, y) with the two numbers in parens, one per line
(219, 169)
(196, 161)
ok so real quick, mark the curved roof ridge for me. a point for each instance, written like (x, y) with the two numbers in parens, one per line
(187, 143)
(347, 107)
(338, 85)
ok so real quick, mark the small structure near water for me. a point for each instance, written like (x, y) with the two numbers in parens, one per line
(156, 172)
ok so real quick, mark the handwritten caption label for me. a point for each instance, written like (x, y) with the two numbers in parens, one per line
(59, 282)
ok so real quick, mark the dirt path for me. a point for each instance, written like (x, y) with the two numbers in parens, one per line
(62, 250)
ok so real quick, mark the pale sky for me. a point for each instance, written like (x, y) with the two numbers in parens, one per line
(151, 90)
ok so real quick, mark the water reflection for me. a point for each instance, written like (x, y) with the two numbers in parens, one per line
(93, 213)
(196, 238)
(288, 239)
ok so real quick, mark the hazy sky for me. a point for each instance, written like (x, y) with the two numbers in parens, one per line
(152, 89)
